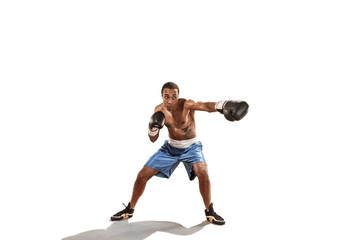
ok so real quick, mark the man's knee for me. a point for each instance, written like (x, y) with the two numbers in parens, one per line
(145, 174)
(201, 171)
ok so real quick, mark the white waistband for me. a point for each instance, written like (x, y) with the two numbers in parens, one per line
(182, 143)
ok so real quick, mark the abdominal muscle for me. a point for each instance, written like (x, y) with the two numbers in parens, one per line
(183, 128)
(181, 134)
(184, 132)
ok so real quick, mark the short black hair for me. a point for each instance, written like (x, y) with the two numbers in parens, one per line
(170, 85)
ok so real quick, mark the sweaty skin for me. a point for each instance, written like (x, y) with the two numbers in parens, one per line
(180, 122)
(180, 114)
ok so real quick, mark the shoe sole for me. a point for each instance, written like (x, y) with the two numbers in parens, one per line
(214, 221)
(123, 216)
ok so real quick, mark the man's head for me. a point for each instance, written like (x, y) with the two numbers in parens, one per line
(170, 95)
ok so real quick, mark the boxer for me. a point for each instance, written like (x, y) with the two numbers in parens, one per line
(178, 115)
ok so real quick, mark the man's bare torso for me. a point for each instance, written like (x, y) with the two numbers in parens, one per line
(180, 122)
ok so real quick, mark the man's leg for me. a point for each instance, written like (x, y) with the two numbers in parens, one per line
(200, 169)
(139, 186)
(144, 175)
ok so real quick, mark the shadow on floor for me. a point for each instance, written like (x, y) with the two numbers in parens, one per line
(136, 230)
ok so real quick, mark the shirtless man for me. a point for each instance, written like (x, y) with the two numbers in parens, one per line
(178, 115)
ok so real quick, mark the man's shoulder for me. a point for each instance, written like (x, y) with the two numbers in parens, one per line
(188, 103)
(159, 107)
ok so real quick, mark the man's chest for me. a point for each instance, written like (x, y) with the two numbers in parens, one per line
(177, 120)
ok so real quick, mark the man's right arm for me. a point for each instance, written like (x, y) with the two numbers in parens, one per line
(156, 122)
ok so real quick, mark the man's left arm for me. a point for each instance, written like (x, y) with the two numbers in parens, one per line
(232, 110)
(201, 106)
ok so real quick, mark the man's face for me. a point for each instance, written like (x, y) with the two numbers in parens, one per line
(170, 98)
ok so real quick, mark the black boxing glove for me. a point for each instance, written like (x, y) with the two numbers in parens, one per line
(156, 123)
(232, 110)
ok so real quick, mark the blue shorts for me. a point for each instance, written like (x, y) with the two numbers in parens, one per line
(168, 158)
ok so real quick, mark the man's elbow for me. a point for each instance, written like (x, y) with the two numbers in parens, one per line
(153, 139)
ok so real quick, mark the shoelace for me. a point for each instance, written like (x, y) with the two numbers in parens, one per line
(127, 207)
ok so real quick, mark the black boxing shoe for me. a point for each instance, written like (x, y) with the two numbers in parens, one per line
(212, 217)
(124, 214)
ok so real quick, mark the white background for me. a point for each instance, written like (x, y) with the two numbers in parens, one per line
(80, 80)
